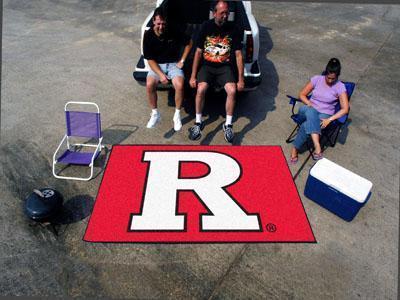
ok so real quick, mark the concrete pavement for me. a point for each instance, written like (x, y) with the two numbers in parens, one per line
(56, 51)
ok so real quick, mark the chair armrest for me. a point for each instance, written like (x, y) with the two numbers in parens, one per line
(98, 149)
(292, 101)
(58, 148)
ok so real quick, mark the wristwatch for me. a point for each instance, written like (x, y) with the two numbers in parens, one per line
(182, 61)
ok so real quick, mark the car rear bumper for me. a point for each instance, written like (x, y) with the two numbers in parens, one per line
(251, 80)
(250, 83)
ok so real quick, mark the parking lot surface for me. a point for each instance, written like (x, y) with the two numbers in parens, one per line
(58, 51)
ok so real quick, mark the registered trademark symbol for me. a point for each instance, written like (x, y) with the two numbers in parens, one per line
(271, 227)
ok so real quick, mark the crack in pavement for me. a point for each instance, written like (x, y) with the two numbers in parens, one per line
(234, 262)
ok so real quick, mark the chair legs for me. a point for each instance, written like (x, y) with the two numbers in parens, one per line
(56, 175)
(292, 135)
(81, 159)
(329, 136)
(334, 135)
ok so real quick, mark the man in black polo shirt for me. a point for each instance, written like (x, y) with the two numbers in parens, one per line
(162, 49)
(219, 43)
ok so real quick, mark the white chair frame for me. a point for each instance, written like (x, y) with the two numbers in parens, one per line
(66, 139)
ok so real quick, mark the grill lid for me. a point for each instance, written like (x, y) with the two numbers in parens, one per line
(43, 204)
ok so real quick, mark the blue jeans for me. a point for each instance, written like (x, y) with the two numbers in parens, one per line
(311, 123)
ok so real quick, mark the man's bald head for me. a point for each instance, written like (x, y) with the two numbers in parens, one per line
(221, 12)
(221, 5)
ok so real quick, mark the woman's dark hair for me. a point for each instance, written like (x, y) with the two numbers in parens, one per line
(333, 66)
(159, 11)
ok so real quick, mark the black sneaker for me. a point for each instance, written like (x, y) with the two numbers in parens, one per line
(195, 131)
(228, 133)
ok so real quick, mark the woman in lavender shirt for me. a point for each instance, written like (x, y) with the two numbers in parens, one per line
(319, 111)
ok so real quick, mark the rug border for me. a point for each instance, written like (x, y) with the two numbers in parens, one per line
(199, 242)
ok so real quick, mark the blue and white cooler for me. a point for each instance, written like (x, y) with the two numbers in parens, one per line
(337, 189)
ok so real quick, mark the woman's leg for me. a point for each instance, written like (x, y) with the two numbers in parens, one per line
(300, 139)
(311, 125)
(316, 137)
(317, 145)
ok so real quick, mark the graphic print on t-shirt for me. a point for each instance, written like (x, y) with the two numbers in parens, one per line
(217, 49)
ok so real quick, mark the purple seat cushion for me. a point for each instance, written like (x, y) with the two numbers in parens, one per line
(76, 158)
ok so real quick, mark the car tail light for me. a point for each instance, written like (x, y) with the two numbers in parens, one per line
(249, 48)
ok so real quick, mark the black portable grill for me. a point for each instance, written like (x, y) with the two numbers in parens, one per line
(43, 205)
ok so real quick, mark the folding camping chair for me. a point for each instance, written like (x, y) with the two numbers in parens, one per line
(80, 125)
(328, 134)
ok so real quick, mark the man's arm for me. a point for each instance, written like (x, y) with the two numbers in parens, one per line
(156, 68)
(240, 66)
(195, 67)
(185, 53)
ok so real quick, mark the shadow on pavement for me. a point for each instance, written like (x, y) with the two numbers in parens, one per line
(117, 133)
(74, 210)
(344, 132)
(25, 167)
(256, 105)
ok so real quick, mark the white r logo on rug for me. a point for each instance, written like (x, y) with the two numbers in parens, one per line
(159, 207)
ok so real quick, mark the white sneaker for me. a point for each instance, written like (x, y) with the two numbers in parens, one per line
(154, 119)
(177, 122)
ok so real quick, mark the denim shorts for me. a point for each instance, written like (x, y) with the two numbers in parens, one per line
(169, 69)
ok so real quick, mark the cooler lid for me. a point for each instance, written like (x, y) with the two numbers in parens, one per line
(341, 179)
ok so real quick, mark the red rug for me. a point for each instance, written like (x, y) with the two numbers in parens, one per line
(198, 194)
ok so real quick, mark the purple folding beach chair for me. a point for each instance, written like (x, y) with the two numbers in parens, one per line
(83, 127)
